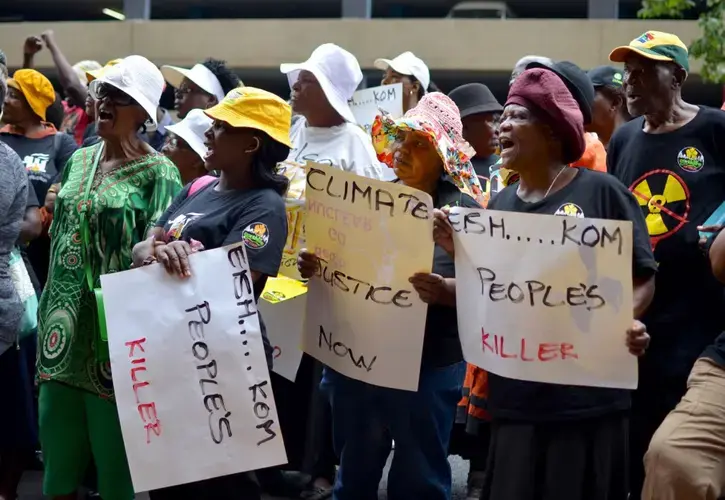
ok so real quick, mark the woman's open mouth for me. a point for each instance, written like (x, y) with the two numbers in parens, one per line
(105, 115)
(505, 143)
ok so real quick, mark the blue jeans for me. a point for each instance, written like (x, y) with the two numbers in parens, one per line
(365, 420)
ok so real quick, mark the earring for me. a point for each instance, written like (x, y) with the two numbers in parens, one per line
(256, 146)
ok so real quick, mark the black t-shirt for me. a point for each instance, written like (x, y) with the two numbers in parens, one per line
(593, 195)
(219, 218)
(679, 181)
(441, 345)
(32, 197)
(44, 159)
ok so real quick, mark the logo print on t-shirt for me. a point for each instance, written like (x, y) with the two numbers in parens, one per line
(665, 201)
(690, 159)
(36, 162)
(255, 235)
(570, 210)
(176, 229)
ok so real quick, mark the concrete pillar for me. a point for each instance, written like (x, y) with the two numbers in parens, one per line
(603, 9)
(137, 9)
(357, 9)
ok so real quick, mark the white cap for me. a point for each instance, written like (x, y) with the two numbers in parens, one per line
(199, 74)
(337, 71)
(192, 130)
(139, 78)
(407, 64)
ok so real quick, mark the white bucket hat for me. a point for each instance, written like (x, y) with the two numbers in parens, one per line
(139, 78)
(192, 130)
(337, 71)
(199, 74)
(407, 64)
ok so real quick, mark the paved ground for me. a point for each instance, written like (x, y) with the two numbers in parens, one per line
(30, 489)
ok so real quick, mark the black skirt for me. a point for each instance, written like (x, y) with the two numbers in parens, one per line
(573, 460)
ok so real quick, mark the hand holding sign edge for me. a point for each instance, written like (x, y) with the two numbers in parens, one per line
(443, 231)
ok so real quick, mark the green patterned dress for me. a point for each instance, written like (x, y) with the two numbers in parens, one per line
(125, 204)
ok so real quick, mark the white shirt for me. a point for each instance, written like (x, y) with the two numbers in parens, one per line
(345, 146)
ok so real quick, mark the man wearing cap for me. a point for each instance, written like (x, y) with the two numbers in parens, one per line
(479, 113)
(672, 159)
(410, 71)
(609, 111)
(200, 87)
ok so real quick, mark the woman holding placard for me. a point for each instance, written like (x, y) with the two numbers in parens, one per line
(426, 150)
(567, 442)
(249, 136)
(111, 193)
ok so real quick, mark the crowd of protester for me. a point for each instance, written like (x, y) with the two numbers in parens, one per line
(98, 178)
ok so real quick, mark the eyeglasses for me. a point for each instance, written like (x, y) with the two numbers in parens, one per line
(182, 91)
(101, 91)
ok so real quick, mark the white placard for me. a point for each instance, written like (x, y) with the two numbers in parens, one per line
(189, 370)
(364, 319)
(366, 103)
(545, 298)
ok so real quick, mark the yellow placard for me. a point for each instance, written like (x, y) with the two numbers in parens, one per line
(295, 204)
(282, 288)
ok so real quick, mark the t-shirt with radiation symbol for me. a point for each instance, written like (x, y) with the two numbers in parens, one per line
(593, 195)
(218, 218)
(678, 179)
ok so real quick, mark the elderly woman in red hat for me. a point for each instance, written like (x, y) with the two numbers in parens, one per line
(547, 440)
(426, 150)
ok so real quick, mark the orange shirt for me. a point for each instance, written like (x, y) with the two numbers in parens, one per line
(595, 156)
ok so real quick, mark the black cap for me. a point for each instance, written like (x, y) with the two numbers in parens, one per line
(576, 81)
(606, 76)
(474, 98)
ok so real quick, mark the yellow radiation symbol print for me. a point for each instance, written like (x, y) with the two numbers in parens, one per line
(665, 201)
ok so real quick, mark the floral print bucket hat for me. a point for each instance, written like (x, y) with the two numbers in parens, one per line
(437, 116)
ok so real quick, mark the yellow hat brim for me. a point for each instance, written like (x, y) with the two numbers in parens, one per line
(224, 113)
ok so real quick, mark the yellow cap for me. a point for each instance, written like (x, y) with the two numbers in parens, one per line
(655, 45)
(97, 73)
(36, 89)
(255, 108)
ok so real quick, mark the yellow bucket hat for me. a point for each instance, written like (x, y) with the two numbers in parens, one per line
(36, 88)
(97, 73)
(255, 108)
